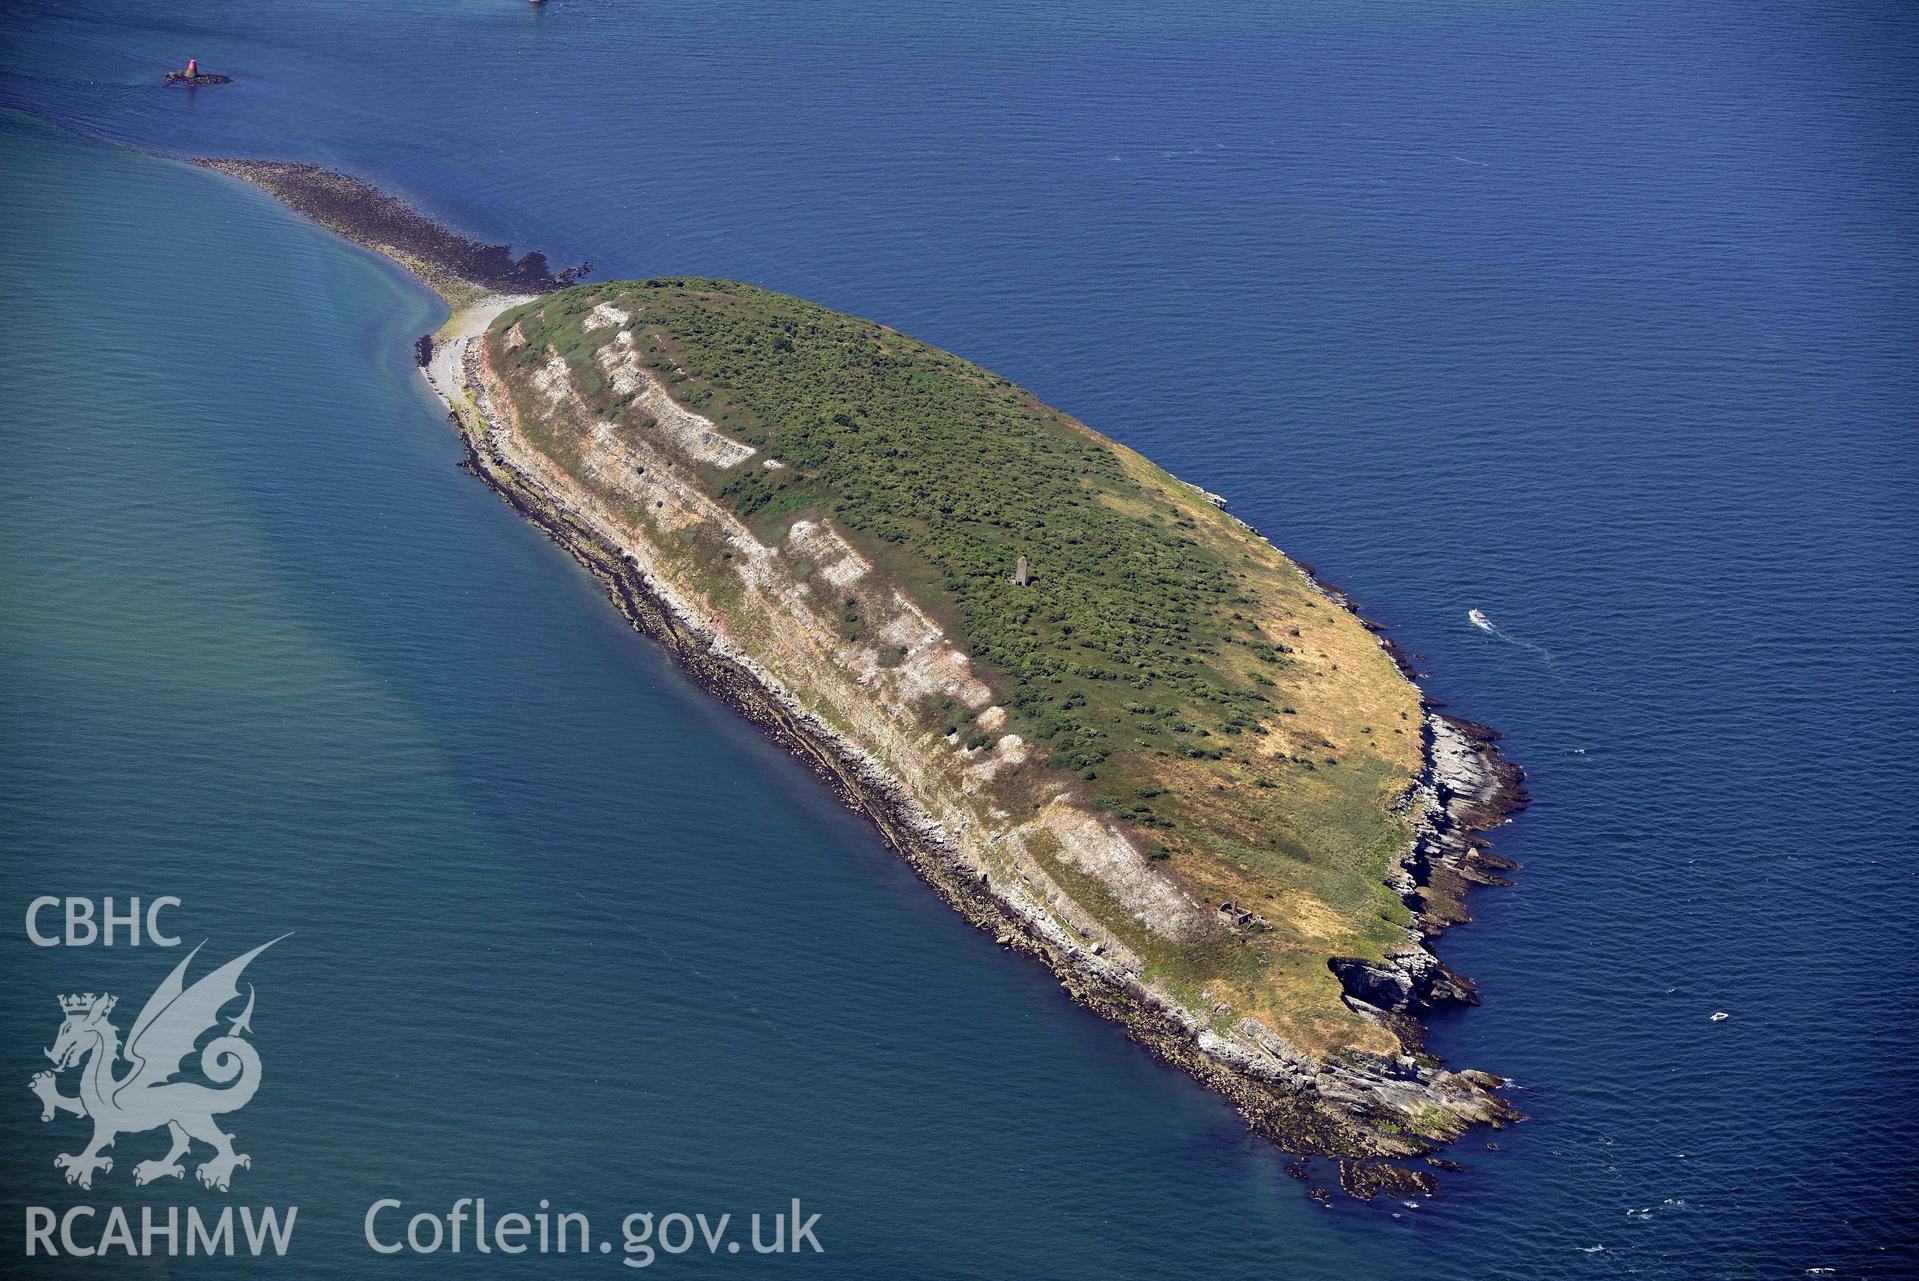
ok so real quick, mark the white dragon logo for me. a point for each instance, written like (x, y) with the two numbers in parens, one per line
(147, 1097)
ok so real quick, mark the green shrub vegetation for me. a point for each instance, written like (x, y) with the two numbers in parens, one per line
(1168, 665)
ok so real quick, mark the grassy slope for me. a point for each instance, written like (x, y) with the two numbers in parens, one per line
(1174, 670)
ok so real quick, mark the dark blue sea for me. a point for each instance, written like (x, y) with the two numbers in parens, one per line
(1600, 318)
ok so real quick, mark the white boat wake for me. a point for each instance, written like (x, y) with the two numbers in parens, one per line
(1477, 618)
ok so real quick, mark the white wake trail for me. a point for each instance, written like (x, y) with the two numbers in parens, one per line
(1478, 619)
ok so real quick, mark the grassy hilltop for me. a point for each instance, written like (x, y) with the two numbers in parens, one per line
(1169, 667)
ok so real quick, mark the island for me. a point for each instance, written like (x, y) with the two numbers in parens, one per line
(1104, 719)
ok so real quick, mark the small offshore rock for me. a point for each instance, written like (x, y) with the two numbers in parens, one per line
(1365, 1180)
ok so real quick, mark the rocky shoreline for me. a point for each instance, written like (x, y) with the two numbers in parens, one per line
(1465, 789)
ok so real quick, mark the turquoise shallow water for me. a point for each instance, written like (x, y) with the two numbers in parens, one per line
(1600, 321)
